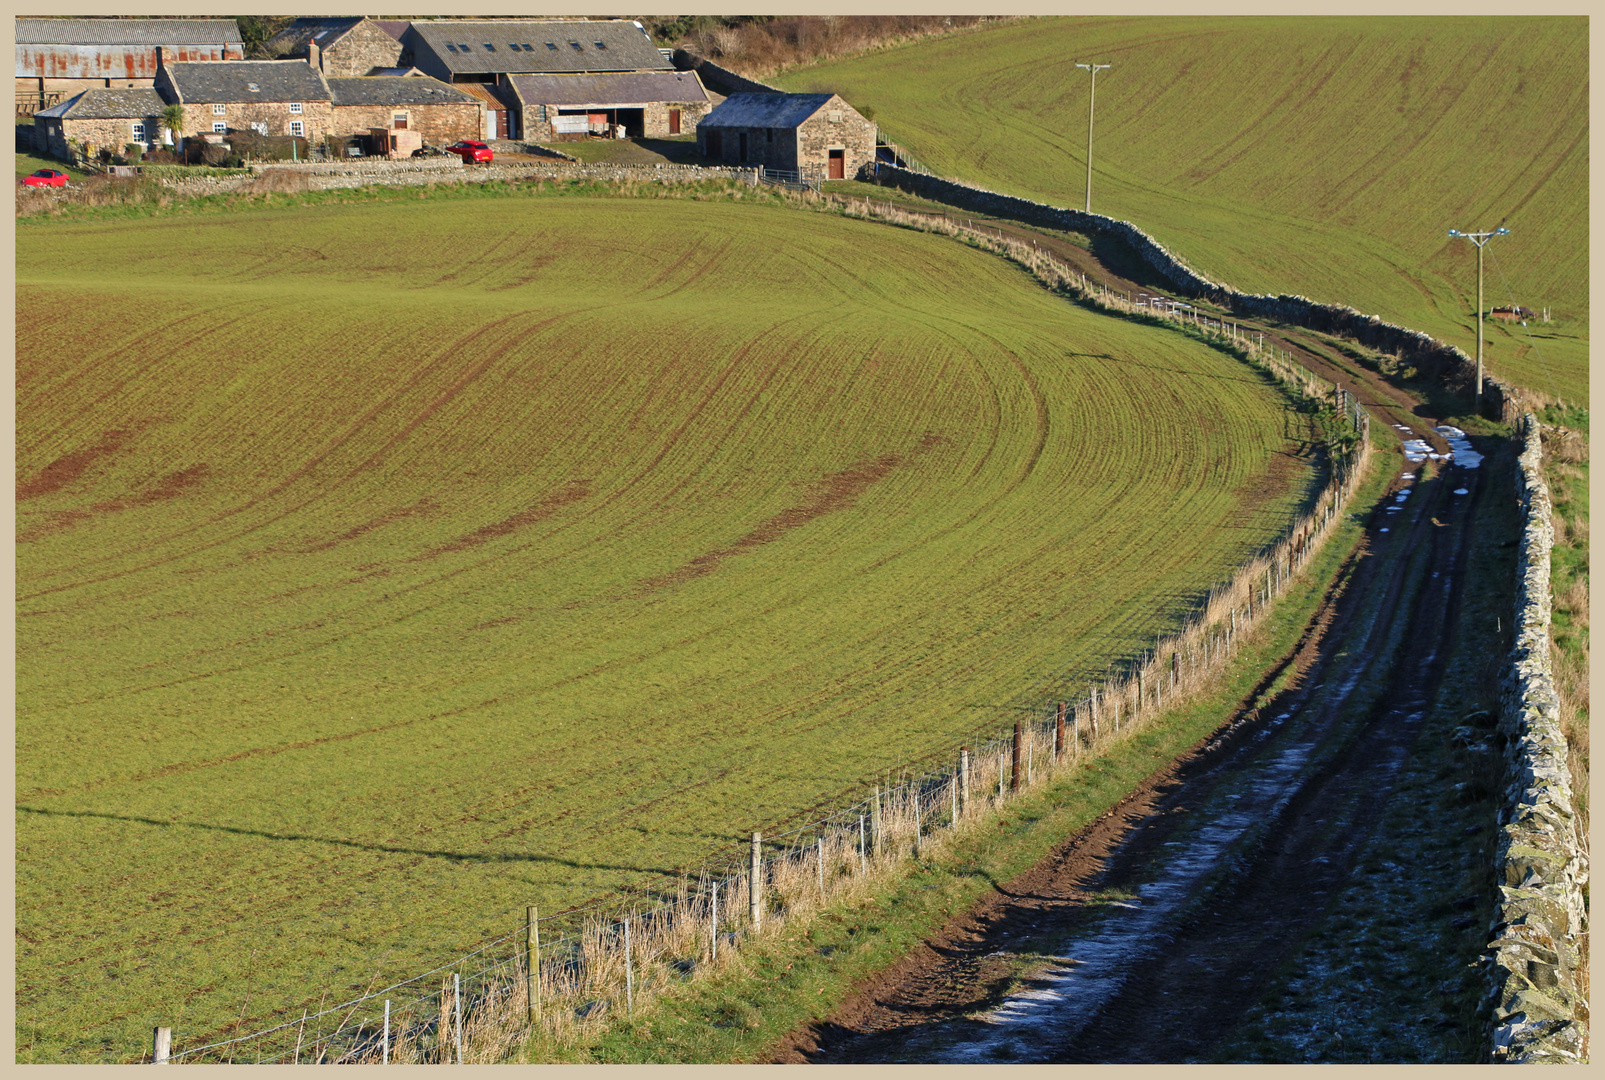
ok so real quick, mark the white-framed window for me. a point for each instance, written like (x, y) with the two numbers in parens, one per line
(295, 107)
(219, 126)
(139, 133)
(298, 127)
(219, 109)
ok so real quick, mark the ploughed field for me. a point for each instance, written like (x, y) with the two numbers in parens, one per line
(1323, 156)
(383, 569)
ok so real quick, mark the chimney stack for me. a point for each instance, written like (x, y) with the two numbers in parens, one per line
(314, 55)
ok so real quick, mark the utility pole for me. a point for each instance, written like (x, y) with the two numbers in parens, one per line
(1480, 239)
(1091, 100)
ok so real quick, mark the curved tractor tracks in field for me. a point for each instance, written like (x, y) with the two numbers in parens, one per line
(1220, 863)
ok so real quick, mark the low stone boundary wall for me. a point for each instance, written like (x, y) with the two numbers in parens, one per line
(1426, 354)
(1541, 864)
(323, 176)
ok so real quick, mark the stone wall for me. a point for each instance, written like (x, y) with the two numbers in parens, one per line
(1538, 1008)
(1431, 357)
(413, 172)
(111, 135)
(440, 123)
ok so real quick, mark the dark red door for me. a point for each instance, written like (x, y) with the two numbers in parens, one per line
(838, 164)
(674, 121)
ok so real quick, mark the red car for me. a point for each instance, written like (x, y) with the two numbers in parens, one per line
(46, 178)
(471, 150)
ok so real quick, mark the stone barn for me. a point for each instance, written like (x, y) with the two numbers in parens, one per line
(440, 114)
(103, 118)
(651, 104)
(803, 133)
(271, 97)
(57, 58)
(339, 47)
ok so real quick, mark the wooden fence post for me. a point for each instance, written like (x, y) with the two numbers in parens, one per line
(964, 780)
(386, 1058)
(532, 966)
(713, 926)
(161, 1045)
(821, 866)
(875, 821)
(1058, 733)
(863, 848)
(1014, 774)
(919, 839)
(1075, 732)
(755, 889)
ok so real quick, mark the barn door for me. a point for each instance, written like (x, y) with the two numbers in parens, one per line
(674, 121)
(838, 164)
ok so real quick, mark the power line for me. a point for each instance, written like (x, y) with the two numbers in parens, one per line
(1091, 99)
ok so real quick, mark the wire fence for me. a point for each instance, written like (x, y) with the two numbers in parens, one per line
(559, 976)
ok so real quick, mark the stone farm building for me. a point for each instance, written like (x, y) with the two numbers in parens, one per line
(643, 103)
(272, 97)
(803, 133)
(440, 114)
(110, 118)
(57, 58)
(340, 47)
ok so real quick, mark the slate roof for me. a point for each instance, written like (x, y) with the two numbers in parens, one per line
(394, 27)
(461, 46)
(127, 32)
(231, 81)
(616, 88)
(764, 110)
(324, 31)
(128, 103)
(394, 90)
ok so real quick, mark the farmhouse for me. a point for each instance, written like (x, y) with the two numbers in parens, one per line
(641, 103)
(57, 58)
(803, 133)
(339, 47)
(110, 118)
(271, 97)
(437, 112)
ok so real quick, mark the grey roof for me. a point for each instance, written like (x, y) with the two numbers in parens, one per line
(394, 90)
(617, 88)
(394, 27)
(127, 32)
(127, 103)
(324, 31)
(764, 110)
(231, 80)
(57, 111)
(461, 46)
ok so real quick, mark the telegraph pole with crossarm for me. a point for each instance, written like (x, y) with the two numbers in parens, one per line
(1091, 99)
(1480, 238)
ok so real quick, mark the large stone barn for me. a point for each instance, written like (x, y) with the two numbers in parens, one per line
(439, 113)
(816, 134)
(57, 58)
(270, 97)
(460, 50)
(339, 47)
(641, 103)
(102, 118)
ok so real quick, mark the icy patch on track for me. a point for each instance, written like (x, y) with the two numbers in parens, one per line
(1460, 449)
(1031, 1023)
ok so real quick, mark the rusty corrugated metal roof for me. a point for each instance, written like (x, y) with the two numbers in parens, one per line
(496, 97)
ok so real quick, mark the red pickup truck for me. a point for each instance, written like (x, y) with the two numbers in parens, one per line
(471, 150)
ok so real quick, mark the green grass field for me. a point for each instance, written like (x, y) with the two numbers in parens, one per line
(1322, 156)
(384, 568)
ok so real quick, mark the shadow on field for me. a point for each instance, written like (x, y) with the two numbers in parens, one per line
(454, 856)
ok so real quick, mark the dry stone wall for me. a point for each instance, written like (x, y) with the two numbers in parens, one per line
(1542, 866)
(413, 172)
(1426, 354)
